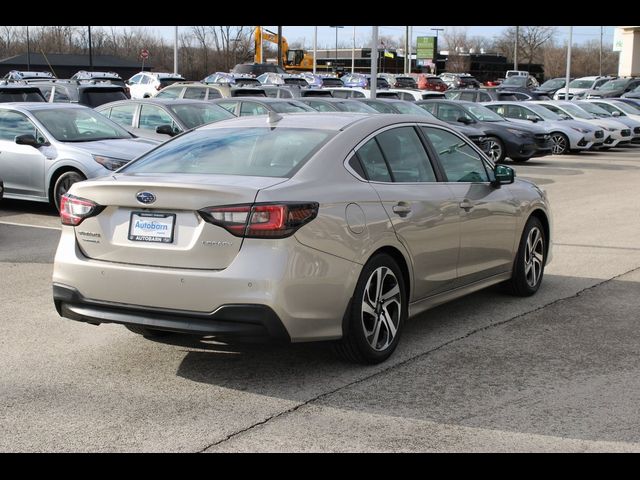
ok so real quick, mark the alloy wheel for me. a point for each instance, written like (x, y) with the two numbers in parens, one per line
(381, 308)
(534, 257)
(494, 149)
(559, 144)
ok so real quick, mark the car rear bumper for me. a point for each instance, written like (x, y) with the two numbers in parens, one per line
(248, 321)
(307, 290)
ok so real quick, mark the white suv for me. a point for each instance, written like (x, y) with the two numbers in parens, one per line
(579, 87)
(147, 84)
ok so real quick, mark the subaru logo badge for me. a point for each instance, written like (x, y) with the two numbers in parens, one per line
(146, 197)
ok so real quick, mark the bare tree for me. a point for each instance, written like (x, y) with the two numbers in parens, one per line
(531, 42)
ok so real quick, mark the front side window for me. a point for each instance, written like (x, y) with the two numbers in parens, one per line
(79, 125)
(461, 163)
(406, 157)
(13, 124)
(451, 113)
(152, 117)
(195, 115)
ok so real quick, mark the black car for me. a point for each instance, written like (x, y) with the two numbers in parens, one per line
(256, 69)
(332, 82)
(19, 92)
(504, 138)
(525, 85)
(405, 82)
(615, 88)
(551, 86)
(389, 105)
(88, 93)
(635, 93)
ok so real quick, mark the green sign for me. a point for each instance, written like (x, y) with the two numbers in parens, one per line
(426, 48)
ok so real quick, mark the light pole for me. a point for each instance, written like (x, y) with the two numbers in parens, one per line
(336, 27)
(28, 51)
(515, 50)
(435, 51)
(600, 52)
(90, 51)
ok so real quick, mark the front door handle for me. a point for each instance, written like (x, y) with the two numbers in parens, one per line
(466, 205)
(402, 209)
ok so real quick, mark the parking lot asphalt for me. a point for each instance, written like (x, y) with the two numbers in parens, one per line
(558, 371)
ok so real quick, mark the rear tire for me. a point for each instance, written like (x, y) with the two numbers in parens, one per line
(377, 315)
(528, 267)
(147, 332)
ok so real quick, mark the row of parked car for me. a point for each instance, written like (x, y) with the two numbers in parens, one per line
(85, 143)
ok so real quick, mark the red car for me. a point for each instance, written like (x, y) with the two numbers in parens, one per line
(431, 83)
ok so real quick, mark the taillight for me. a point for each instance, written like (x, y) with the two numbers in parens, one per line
(262, 220)
(73, 210)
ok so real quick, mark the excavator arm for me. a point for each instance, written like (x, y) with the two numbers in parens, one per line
(261, 35)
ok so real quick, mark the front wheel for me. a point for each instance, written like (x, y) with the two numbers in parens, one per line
(378, 313)
(495, 149)
(528, 267)
(63, 184)
(559, 143)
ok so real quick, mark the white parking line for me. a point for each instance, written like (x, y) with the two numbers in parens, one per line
(27, 225)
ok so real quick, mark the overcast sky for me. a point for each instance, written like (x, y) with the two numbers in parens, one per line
(327, 35)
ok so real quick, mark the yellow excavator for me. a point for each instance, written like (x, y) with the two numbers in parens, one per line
(295, 59)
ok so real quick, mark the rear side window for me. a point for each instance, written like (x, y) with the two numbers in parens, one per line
(195, 93)
(320, 106)
(123, 114)
(213, 93)
(340, 94)
(373, 162)
(468, 96)
(405, 155)
(251, 108)
(229, 106)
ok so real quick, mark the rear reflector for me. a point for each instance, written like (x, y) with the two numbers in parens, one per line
(262, 220)
(73, 210)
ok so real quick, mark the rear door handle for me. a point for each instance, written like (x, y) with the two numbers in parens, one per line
(402, 209)
(466, 205)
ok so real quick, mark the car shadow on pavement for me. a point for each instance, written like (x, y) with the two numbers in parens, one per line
(16, 207)
(568, 370)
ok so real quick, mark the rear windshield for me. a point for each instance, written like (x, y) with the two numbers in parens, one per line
(262, 152)
(95, 97)
(296, 81)
(332, 82)
(165, 82)
(290, 107)
(248, 93)
(19, 96)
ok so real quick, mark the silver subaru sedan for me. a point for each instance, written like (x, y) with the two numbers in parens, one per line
(307, 227)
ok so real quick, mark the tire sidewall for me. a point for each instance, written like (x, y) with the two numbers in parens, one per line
(519, 275)
(356, 328)
(78, 175)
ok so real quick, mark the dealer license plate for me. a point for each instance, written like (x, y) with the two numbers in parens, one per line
(152, 227)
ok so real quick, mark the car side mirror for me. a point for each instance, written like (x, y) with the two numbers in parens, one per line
(27, 139)
(532, 118)
(616, 114)
(465, 120)
(504, 175)
(166, 129)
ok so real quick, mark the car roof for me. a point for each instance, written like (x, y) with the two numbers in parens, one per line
(32, 106)
(159, 101)
(319, 120)
(257, 99)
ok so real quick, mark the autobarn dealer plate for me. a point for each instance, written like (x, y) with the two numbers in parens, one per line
(152, 227)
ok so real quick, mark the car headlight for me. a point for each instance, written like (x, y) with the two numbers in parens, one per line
(518, 133)
(581, 130)
(110, 163)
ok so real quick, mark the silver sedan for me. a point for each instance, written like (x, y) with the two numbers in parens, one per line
(45, 148)
(305, 227)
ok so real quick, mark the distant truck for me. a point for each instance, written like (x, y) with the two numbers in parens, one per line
(516, 73)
